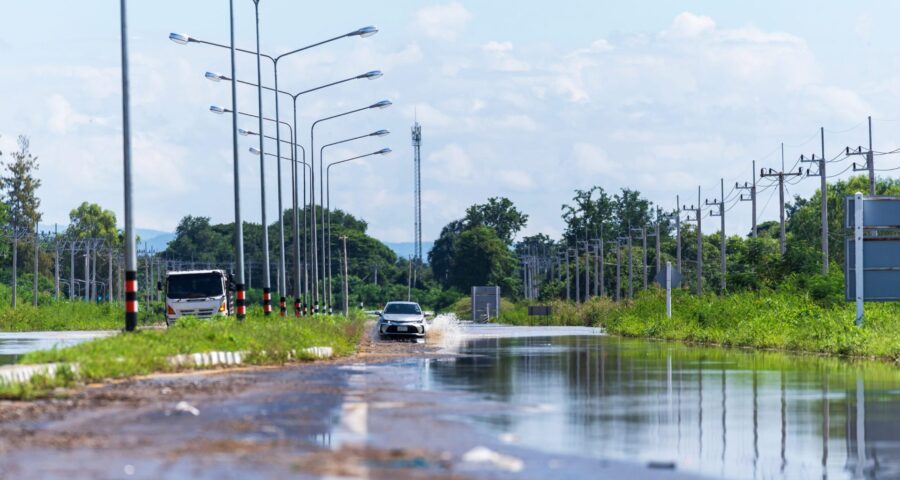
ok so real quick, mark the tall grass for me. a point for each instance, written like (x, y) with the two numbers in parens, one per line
(782, 320)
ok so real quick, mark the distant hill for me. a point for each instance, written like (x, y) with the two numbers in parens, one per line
(406, 249)
(155, 239)
(159, 240)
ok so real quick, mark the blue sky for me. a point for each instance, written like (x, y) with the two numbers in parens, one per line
(524, 99)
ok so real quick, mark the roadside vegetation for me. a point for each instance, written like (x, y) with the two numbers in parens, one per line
(263, 340)
(787, 319)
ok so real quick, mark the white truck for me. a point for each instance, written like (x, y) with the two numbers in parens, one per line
(198, 293)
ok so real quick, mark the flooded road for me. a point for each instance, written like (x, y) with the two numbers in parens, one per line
(489, 402)
(14, 344)
(722, 413)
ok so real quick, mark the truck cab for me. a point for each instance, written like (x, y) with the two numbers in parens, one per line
(198, 293)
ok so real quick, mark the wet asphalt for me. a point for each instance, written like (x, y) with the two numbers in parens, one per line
(359, 418)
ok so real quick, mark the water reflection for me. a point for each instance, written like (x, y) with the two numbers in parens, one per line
(719, 412)
(15, 344)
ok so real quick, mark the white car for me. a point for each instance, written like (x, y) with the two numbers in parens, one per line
(402, 319)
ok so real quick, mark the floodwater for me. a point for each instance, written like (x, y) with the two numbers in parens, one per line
(15, 344)
(717, 412)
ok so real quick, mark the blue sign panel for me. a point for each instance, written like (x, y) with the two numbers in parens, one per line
(879, 212)
(881, 269)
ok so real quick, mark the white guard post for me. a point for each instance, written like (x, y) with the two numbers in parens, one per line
(669, 289)
(858, 254)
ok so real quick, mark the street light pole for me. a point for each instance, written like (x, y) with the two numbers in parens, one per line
(312, 197)
(267, 290)
(131, 302)
(182, 39)
(379, 133)
(371, 75)
(383, 151)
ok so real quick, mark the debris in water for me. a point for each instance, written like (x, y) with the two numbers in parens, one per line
(483, 456)
(185, 407)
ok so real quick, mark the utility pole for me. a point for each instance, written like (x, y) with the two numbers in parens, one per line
(409, 282)
(780, 175)
(721, 214)
(577, 275)
(870, 160)
(587, 271)
(656, 234)
(568, 280)
(698, 213)
(630, 268)
(751, 198)
(823, 192)
(618, 269)
(678, 232)
(644, 248)
(346, 280)
(72, 270)
(37, 259)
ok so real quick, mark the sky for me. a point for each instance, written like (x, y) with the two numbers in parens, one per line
(524, 99)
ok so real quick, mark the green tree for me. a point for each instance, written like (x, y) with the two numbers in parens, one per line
(196, 239)
(500, 214)
(19, 186)
(90, 220)
(591, 215)
(482, 258)
(630, 210)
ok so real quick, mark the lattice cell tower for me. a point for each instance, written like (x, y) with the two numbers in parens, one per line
(417, 164)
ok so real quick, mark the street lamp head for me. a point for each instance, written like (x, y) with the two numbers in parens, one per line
(364, 32)
(218, 109)
(245, 133)
(384, 151)
(215, 77)
(379, 133)
(180, 38)
(254, 150)
(371, 75)
(381, 104)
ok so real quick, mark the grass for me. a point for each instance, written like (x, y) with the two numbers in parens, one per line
(779, 320)
(68, 315)
(267, 340)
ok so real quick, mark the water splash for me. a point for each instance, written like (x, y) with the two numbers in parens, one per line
(445, 331)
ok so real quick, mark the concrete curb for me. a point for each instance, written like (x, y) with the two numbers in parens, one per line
(237, 358)
(11, 374)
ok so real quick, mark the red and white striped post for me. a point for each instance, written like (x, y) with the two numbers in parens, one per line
(282, 305)
(240, 303)
(267, 301)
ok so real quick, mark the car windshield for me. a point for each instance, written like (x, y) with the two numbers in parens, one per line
(403, 309)
(195, 285)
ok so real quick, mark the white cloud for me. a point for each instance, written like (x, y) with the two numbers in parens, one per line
(500, 57)
(517, 122)
(688, 25)
(516, 179)
(450, 162)
(442, 22)
(62, 118)
(592, 159)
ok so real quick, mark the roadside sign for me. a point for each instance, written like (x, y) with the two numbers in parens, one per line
(881, 269)
(878, 212)
(661, 278)
(485, 303)
(540, 310)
